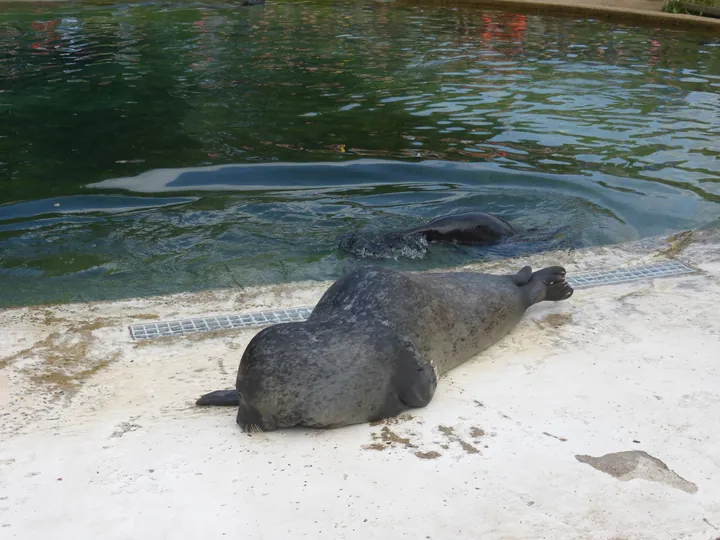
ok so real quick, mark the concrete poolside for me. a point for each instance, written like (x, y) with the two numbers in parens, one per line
(99, 437)
(647, 12)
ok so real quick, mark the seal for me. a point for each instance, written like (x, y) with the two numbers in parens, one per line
(468, 228)
(376, 343)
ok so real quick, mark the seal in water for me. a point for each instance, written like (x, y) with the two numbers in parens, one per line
(469, 228)
(376, 343)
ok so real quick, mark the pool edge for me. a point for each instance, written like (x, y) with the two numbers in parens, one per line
(612, 13)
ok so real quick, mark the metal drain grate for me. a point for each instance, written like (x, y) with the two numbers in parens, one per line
(623, 275)
(221, 322)
(275, 316)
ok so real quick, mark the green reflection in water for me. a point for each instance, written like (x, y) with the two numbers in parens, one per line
(609, 132)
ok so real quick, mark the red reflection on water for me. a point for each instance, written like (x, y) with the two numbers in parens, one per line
(509, 31)
(48, 28)
(654, 52)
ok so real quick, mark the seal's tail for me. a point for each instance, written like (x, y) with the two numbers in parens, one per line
(549, 284)
(224, 398)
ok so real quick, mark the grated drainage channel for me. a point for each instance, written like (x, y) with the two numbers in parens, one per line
(221, 322)
(275, 316)
(630, 273)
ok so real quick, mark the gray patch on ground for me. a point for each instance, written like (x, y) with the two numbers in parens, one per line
(125, 427)
(636, 464)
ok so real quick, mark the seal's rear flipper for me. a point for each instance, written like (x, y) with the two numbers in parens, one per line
(523, 276)
(558, 291)
(226, 398)
(548, 284)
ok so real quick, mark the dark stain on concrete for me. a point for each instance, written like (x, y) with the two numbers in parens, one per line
(375, 446)
(555, 320)
(387, 438)
(428, 455)
(563, 439)
(449, 432)
(393, 420)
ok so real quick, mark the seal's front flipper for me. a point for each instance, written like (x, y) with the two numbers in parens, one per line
(224, 398)
(416, 383)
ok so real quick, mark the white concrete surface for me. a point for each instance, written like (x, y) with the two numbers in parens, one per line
(99, 438)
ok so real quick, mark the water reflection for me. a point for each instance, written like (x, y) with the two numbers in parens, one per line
(615, 125)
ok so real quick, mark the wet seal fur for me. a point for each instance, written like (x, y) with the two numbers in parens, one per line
(376, 343)
(468, 228)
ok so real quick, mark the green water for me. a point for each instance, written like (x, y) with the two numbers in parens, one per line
(334, 117)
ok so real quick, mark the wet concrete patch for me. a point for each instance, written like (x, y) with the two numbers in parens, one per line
(555, 320)
(636, 464)
(126, 427)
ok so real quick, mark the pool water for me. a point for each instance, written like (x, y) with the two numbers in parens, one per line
(156, 148)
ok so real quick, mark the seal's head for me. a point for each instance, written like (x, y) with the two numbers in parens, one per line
(276, 378)
(251, 421)
(471, 228)
(259, 408)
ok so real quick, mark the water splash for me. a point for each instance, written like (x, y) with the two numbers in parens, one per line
(388, 246)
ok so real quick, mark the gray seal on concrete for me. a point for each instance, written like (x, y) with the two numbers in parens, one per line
(376, 343)
(467, 228)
